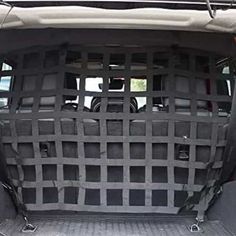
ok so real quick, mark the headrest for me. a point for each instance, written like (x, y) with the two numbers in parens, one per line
(115, 104)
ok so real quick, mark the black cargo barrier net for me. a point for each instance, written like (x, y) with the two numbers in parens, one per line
(114, 129)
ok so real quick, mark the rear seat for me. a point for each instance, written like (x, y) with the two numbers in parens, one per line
(115, 104)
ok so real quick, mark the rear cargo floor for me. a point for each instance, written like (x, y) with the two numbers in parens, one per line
(91, 225)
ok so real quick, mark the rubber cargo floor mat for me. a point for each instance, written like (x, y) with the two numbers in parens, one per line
(111, 226)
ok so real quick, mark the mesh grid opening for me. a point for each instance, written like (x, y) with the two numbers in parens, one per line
(49, 172)
(71, 172)
(159, 198)
(114, 197)
(71, 195)
(92, 197)
(29, 195)
(29, 173)
(137, 197)
(115, 174)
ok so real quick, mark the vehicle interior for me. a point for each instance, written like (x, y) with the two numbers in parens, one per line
(117, 131)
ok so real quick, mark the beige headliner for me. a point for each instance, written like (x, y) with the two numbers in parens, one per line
(146, 18)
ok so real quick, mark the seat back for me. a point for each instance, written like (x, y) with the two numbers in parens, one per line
(183, 106)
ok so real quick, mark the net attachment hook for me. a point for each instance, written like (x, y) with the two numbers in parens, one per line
(28, 228)
(195, 228)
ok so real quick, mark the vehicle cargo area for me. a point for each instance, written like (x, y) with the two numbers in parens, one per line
(117, 132)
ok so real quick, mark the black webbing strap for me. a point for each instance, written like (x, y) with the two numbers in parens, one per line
(7, 183)
(230, 150)
(208, 194)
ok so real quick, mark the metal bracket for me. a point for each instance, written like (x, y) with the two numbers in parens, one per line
(28, 228)
(195, 228)
(212, 12)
